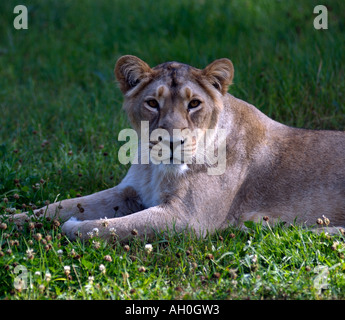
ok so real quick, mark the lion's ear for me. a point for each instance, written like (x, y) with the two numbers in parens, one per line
(129, 71)
(220, 73)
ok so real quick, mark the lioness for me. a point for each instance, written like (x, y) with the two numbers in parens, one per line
(271, 169)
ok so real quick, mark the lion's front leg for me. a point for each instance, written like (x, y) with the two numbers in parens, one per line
(59, 210)
(142, 224)
(108, 203)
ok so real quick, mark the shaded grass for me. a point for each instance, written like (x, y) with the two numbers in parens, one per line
(61, 114)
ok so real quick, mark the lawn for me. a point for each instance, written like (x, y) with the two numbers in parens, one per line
(61, 115)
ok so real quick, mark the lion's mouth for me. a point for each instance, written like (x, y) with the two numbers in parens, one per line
(172, 152)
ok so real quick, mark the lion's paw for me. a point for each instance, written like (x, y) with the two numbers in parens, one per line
(72, 228)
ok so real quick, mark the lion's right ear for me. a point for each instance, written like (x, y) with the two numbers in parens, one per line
(129, 71)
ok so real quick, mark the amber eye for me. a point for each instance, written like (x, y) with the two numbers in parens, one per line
(153, 103)
(194, 103)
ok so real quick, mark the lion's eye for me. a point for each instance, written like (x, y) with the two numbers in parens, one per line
(194, 103)
(153, 103)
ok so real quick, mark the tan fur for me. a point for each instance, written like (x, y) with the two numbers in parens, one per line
(271, 169)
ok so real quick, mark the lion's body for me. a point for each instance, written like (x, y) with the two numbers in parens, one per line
(271, 169)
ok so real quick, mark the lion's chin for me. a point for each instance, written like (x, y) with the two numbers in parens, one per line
(172, 168)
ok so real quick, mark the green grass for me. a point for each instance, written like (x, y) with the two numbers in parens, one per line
(264, 263)
(61, 115)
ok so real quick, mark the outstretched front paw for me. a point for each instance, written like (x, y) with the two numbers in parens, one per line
(87, 229)
(73, 228)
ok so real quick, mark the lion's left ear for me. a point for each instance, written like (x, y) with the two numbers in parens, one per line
(130, 71)
(220, 73)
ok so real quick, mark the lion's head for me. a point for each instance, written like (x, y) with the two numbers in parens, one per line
(173, 96)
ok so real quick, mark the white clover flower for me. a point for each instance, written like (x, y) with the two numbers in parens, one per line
(105, 222)
(67, 270)
(108, 258)
(90, 234)
(59, 252)
(148, 248)
(73, 253)
(112, 231)
(37, 273)
(95, 231)
(102, 268)
(30, 251)
(335, 245)
(325, 220)
(48, 276)
(96, 244)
